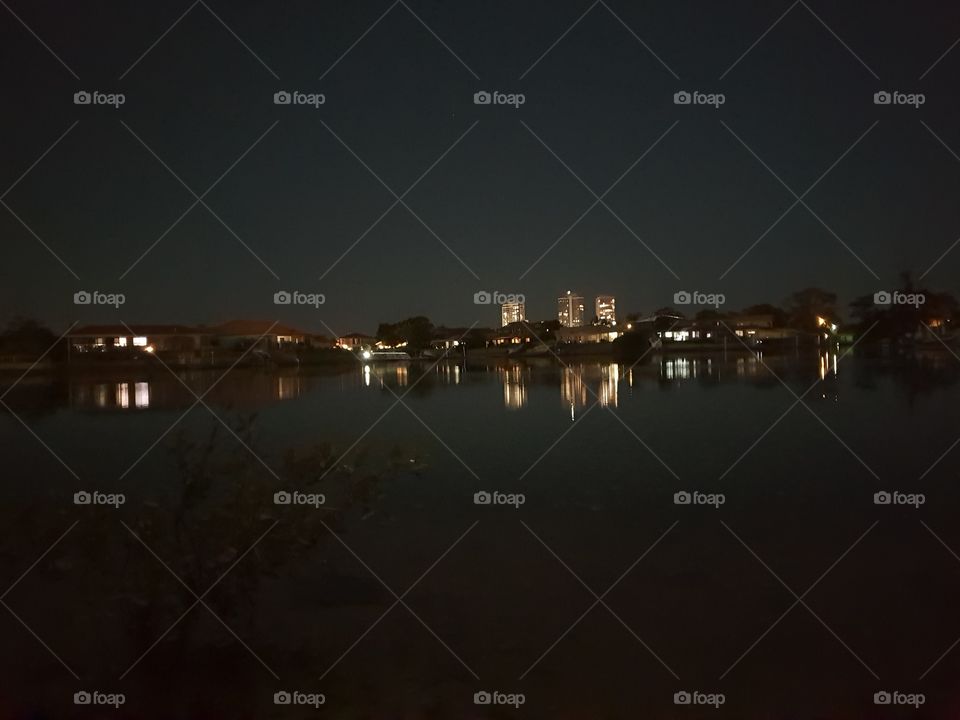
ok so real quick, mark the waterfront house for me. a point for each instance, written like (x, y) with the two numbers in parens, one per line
(356, 341)
(241, 334)
(587, 334)
(146, 338)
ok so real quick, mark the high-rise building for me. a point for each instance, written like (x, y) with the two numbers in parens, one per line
(570, 310)
(512, 312)
(606, 309)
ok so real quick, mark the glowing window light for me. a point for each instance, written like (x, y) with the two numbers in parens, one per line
(139, 342)
(141, 394)
(123, 395)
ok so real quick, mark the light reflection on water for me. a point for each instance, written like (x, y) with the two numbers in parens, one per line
(580, 384)
(514, 386)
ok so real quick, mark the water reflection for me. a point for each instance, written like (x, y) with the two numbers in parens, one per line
(241, 390)
(111, 396)
(290, 387)
(514, 386)
(580, 384)
(573, 392)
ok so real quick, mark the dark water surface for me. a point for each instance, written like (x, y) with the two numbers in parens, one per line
(598, 597)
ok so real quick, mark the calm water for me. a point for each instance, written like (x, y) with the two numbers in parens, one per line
(597, 451)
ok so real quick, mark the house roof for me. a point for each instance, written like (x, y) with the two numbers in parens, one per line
(234, 327)
(255, 328)
(119, 330)
(356, 335)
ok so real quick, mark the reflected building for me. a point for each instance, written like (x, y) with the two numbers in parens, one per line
(570, 310)
(289, 387)
(748, 366)
(681, 368)
(514, 387)
(573, 391)
(111, 396)
(609, 383)
(449, 373)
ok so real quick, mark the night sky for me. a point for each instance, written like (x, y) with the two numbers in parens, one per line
(402, 96)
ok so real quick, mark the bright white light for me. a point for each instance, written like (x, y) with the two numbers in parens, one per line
(366, 355)
(149, 348)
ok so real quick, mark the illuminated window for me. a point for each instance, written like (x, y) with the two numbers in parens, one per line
(139, 342)
(123, 394)
(141, 394)
(120, 342)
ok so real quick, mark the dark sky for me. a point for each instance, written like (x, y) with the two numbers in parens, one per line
(800, 98)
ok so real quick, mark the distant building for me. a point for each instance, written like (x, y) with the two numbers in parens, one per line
(587, 334)
(512, 312)
(356, 341)
(570, 310)
(606, 309)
